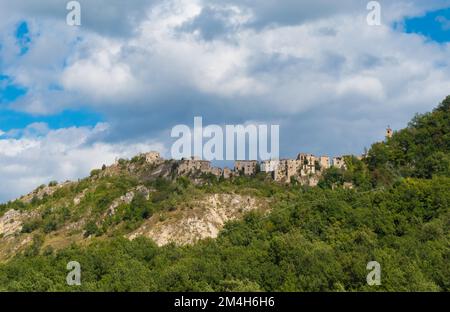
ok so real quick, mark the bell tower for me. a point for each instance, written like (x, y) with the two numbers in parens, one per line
(389, 132)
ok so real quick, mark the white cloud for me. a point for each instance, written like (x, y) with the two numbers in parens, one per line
(270, 68)
(305, 64)
(102, 76)
(61, 154)
(360, 85)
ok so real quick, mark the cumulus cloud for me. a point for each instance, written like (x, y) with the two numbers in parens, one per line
(270, 68)
(103, 75)
(114, 18)
(272, 13)
(217, 21)
(316, 68)
(282, 69)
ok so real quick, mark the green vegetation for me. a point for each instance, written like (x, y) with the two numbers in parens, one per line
(314, 239)
(421, 150)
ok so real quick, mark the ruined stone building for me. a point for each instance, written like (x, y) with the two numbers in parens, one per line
(193, 165)
(286, 169)
(324, 162)
(216, 171)
(227, 173)
(269, 165)
(307, 164)
(305, 169)
(246, 167)
(339, 162)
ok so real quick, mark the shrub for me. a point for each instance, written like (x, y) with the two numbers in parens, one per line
(95, 172)
(91, 228)
(31, 225)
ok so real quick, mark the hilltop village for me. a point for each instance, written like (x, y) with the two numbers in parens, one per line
(305, 169)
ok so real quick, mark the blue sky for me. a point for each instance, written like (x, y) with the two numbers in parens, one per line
(73, 98)
(10, 92)
(12, 119)
(434, 25)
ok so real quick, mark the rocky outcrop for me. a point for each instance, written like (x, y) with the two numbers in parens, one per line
(127, 198)
(203, 219)
(10, 223)
(79, 197)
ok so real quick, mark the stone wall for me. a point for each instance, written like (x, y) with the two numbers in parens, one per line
(246, 167)
(324, 162)
(194, 165)
(339, 162)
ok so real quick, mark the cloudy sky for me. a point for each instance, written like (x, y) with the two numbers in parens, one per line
(75, 97)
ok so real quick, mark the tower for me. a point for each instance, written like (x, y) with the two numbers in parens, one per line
(389, 132)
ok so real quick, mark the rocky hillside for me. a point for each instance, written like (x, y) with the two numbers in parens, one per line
(145, 225)
(131, 198)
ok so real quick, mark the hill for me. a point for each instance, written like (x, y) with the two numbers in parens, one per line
(421, 150)
(139, 226)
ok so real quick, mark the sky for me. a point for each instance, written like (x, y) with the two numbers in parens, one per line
(75, 97)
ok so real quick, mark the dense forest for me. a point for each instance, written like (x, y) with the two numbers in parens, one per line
(313, 239)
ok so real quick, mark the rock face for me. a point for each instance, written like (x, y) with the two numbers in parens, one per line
(127, 198)
(79, 197)
(205, 219)
(69, 208)
(10, 223)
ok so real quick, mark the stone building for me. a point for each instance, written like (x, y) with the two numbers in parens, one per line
(280, 173)
(389, 132)
(193, 165)
(324, 162)
(308, 163)
(218, 172)
(227, 173)
(286, 169)
(303, 167)
(339, 162)
(269, 165)
(293, 166)
(247, 167)
(306, 169)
